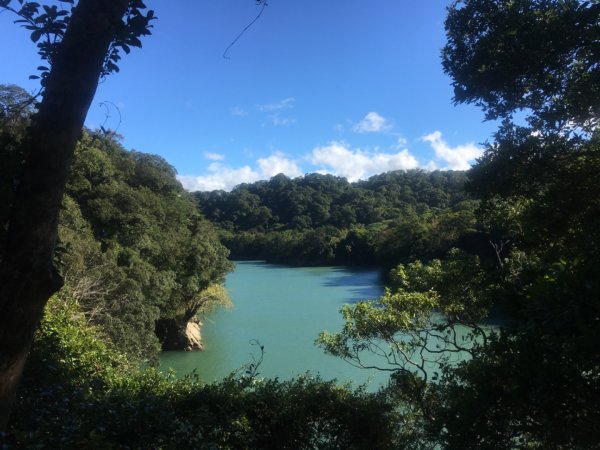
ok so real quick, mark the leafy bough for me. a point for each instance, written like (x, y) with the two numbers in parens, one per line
(420, 326)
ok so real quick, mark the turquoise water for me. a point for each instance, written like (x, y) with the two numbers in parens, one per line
(284, 308)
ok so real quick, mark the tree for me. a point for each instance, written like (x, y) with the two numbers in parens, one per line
(16, 106)
(539, 186)
(540, 56)
(532, 380)
(127, 225)
(81, 46)
(426, 322)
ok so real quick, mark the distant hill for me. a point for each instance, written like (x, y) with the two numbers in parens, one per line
(325, 219)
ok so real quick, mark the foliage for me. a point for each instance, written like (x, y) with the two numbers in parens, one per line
(48, 25)
(16, 106)
(531, 381)
(208, 299)
(132, 247)
(319, 219)
(318, 200)
(426, 323)
(535, 55)
(147, 246)
(78, 393)
(81, 48)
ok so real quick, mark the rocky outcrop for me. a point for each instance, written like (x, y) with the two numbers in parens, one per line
(193, 336)
(175, 335)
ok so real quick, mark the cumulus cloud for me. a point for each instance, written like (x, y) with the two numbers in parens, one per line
(457, 158)
(225, 178)
(276, 164)
(221, 177)
(401, 142)
(373, 123)
(214, 156)
(336, 158)
(357, 164)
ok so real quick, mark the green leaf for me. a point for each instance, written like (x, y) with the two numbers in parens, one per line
(36, 35)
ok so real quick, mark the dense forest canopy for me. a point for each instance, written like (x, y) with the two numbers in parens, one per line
(132, 246)
(318, 219)
(317, 200)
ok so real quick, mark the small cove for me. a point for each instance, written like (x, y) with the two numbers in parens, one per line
(284, 308)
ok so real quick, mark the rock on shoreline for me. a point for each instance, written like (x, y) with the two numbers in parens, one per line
(174, 335)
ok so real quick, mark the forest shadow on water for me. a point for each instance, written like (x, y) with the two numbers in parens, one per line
(359, 284)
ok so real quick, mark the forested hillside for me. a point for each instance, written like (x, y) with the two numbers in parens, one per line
(319, 219)
(132, 248)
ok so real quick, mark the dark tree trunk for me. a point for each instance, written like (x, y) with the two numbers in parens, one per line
(27, 276)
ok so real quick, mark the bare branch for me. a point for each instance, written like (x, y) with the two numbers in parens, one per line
(265, 3)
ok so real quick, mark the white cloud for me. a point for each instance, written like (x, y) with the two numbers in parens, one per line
(226, 178)
(286, 103)
(276, 108)
(238, 111)
(373, 123)
(276, 164)
(359, 164)
(401, 143)
(336, 158)
(457, 158)
(280, 121)
(214, 156)
(222, 177)
(431, 166)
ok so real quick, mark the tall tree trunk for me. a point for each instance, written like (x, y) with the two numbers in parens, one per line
(27, 276)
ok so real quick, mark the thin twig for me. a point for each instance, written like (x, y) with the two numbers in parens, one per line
(265, 3)
(107, 115)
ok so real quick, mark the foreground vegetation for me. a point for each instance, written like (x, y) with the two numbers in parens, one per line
(78, 393)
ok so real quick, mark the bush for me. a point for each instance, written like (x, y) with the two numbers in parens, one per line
(79, 393)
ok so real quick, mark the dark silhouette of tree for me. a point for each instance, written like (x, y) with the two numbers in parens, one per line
(80, 45)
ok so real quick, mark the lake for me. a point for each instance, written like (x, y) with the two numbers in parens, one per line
(283, 308)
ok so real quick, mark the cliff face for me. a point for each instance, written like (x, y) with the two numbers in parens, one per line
(193, 336)
(175, 335)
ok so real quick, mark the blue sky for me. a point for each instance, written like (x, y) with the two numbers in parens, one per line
(347, 87)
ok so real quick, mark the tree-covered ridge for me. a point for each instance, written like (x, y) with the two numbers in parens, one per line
(316, 200)
(152, 250)
(318, 218)
(133, 248)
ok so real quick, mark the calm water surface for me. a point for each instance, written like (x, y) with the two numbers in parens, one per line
(284, 308)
